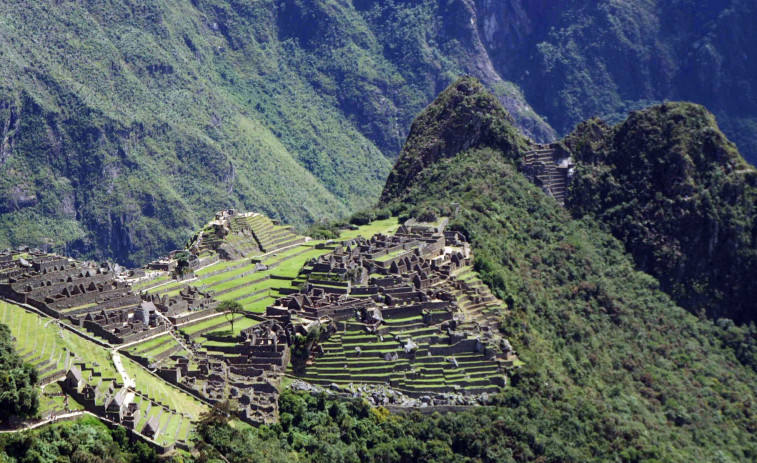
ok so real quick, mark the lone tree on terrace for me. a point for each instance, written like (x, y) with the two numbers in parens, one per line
(230, 310)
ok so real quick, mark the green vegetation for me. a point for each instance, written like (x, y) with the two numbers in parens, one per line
(440, 132)
(164, 113)
(230, 310)
(126, 125)
(49, 346)
(18, 396)
(607, 58)
(160, 391)
(613, 366)
(385, 226)
(676, 192)
(86, 439)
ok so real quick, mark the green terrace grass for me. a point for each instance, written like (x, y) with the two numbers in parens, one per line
(155, 281)
(278, 256)
(255, 305)
(163, 392)
(40, 336)
(387, 226)
(211, 280)
(167, 287)
(149, 344)
(206, 324)
(208, 344)
(391, 255)
(56, 403)
(252, 289)
(289, 269)
(218, 266)
(154, 350)
(239, 325)
(239, 281)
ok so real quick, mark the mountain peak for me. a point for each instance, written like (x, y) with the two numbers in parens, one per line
(464, 116)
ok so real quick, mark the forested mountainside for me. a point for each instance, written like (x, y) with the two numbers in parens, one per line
(616, 368)
(125, 122)
(671, 186)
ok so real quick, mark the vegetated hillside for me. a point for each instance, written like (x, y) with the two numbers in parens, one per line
(86, 439)
(123, 123)
(576, 59)
(671, 187)
(462, 117)
(18, 397)
(616, 370)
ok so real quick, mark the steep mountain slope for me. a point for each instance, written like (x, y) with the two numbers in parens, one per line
(123, 122)
(671, 187)
(577, 59)
(616, 371)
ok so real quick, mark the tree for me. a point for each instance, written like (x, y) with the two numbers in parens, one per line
(18, 396)
(230, 309)
(182, 263)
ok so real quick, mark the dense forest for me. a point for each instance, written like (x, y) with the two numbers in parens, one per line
(18, 396)
(670, 185)
(86, 440)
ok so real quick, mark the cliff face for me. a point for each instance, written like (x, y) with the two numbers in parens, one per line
(671, 186)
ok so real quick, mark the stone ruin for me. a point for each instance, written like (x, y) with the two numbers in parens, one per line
(90, 296)
(550, 167)
(374, 285)
(398, 289)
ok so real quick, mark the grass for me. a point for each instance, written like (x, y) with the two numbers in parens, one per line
(163, 392)
(255, 305)
(147, 345)
(386, 226)
(205, 324)
(216, 267)
(33, 337)
(41, 337)
(211, 280)
(252, 289)
(155, 281)
(55, 403)
(175, 285)
(391, 255)
(239, 325)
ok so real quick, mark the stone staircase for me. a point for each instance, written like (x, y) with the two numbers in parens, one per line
(548, 166)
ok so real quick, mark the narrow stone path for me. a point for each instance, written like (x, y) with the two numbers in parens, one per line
(52, 419)
(128, 381)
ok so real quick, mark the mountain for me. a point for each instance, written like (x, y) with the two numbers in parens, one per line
(124, 123)
(616, 370)
(676, 192)
(577, 59)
